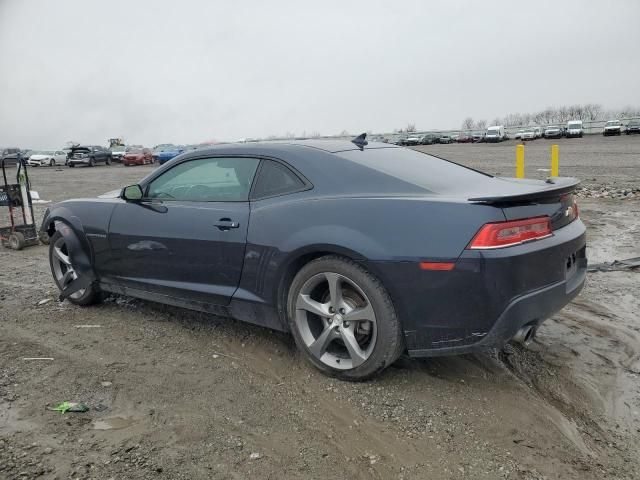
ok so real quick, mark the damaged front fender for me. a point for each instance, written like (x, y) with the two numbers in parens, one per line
(78, 248)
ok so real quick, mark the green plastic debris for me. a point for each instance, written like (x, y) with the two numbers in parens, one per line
(69, 407)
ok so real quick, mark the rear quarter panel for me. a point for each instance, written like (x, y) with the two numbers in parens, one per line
(379, 230)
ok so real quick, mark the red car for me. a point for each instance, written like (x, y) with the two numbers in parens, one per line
(465, 138)
(137, 156)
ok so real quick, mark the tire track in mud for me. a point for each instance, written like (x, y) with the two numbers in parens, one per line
(579, 367)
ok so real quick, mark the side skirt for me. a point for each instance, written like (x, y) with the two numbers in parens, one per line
(245, 311)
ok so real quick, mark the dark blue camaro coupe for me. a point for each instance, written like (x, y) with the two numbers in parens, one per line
(361, 251)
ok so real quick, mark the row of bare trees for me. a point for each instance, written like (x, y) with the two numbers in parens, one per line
(550, 115)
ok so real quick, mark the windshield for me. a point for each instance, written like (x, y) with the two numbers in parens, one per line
(529, 130)
(118, 148)
(613, 123)
(134, 150)
(552, 127)
(575, 125)
(634, 123)
(494, 131)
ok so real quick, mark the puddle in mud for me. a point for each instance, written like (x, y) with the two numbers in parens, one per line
(114, 423)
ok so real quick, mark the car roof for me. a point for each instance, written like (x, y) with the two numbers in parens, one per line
(329, 146)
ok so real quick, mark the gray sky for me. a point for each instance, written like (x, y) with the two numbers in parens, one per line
(189, 71)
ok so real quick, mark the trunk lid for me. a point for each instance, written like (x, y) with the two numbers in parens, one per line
(520, 199)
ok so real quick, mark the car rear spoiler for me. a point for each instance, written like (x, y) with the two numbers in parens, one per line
(557, 186)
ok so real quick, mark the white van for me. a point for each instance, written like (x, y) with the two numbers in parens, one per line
(495, 134)
(574, 128)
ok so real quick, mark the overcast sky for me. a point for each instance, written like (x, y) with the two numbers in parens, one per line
(195, 70)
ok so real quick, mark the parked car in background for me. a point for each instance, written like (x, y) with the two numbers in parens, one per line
(454, 137)
(137, 156)
(445, 138)
(428, 139)
(553, 131)
(574, 128)
(413, 140)
(495, 134)
(518, 134)
(528, 134)
(164, 154)
(538, 131)
(268, 233)
(49, 158)
(11, 155)
(464, 138)
(612, 127)
(89, 155)
(117, 152)
(478, 137)
(633, 127)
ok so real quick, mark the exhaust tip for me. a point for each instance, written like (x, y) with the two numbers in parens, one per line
(525, 335)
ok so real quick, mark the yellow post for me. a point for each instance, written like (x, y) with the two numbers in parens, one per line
(555, 161)
(520, 161)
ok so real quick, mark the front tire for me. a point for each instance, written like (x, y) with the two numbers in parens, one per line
(92, 162)
(64, 273)
(343, 320)
(52, 163)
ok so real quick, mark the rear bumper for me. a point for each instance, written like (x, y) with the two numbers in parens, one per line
(529, 309)
(489, 295)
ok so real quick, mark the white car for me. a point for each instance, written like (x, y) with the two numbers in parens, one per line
(528, 134)
(574, 128)
(49, 158)
(495, 133)
(519, 134)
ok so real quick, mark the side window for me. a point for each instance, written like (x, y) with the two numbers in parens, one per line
(275, 179)
(206, 180)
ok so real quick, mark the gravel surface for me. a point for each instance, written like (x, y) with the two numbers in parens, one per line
(176, 394)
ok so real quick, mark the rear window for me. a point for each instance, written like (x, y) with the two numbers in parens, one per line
(410, 166)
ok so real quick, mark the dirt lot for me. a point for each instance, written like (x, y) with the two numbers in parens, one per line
(177, 394)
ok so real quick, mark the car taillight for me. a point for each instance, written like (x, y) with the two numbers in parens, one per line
(507, 234)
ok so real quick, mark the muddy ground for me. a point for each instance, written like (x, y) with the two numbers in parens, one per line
(176, 394)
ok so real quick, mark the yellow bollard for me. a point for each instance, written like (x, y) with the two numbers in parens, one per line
(555, 161)
(520, 161)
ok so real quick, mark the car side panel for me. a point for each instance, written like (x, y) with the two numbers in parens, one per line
(89, 220)
(284, 229)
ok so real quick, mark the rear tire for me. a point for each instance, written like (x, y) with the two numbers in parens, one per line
(108, 161)
(17, 241)
(343, 320)
(62, 268)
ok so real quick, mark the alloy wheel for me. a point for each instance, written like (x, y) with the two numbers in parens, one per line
(63, 269)
(336, 320)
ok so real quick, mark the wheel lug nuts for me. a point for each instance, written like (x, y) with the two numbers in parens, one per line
(345, 324)
(330, 320)
(331, 309)
(342, 311)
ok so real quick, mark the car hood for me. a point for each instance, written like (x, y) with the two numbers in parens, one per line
(111, 194)
(39, 157)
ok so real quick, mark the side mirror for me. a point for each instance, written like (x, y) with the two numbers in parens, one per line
(132, 193)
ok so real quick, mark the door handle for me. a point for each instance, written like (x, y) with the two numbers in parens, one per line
(226, 224)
